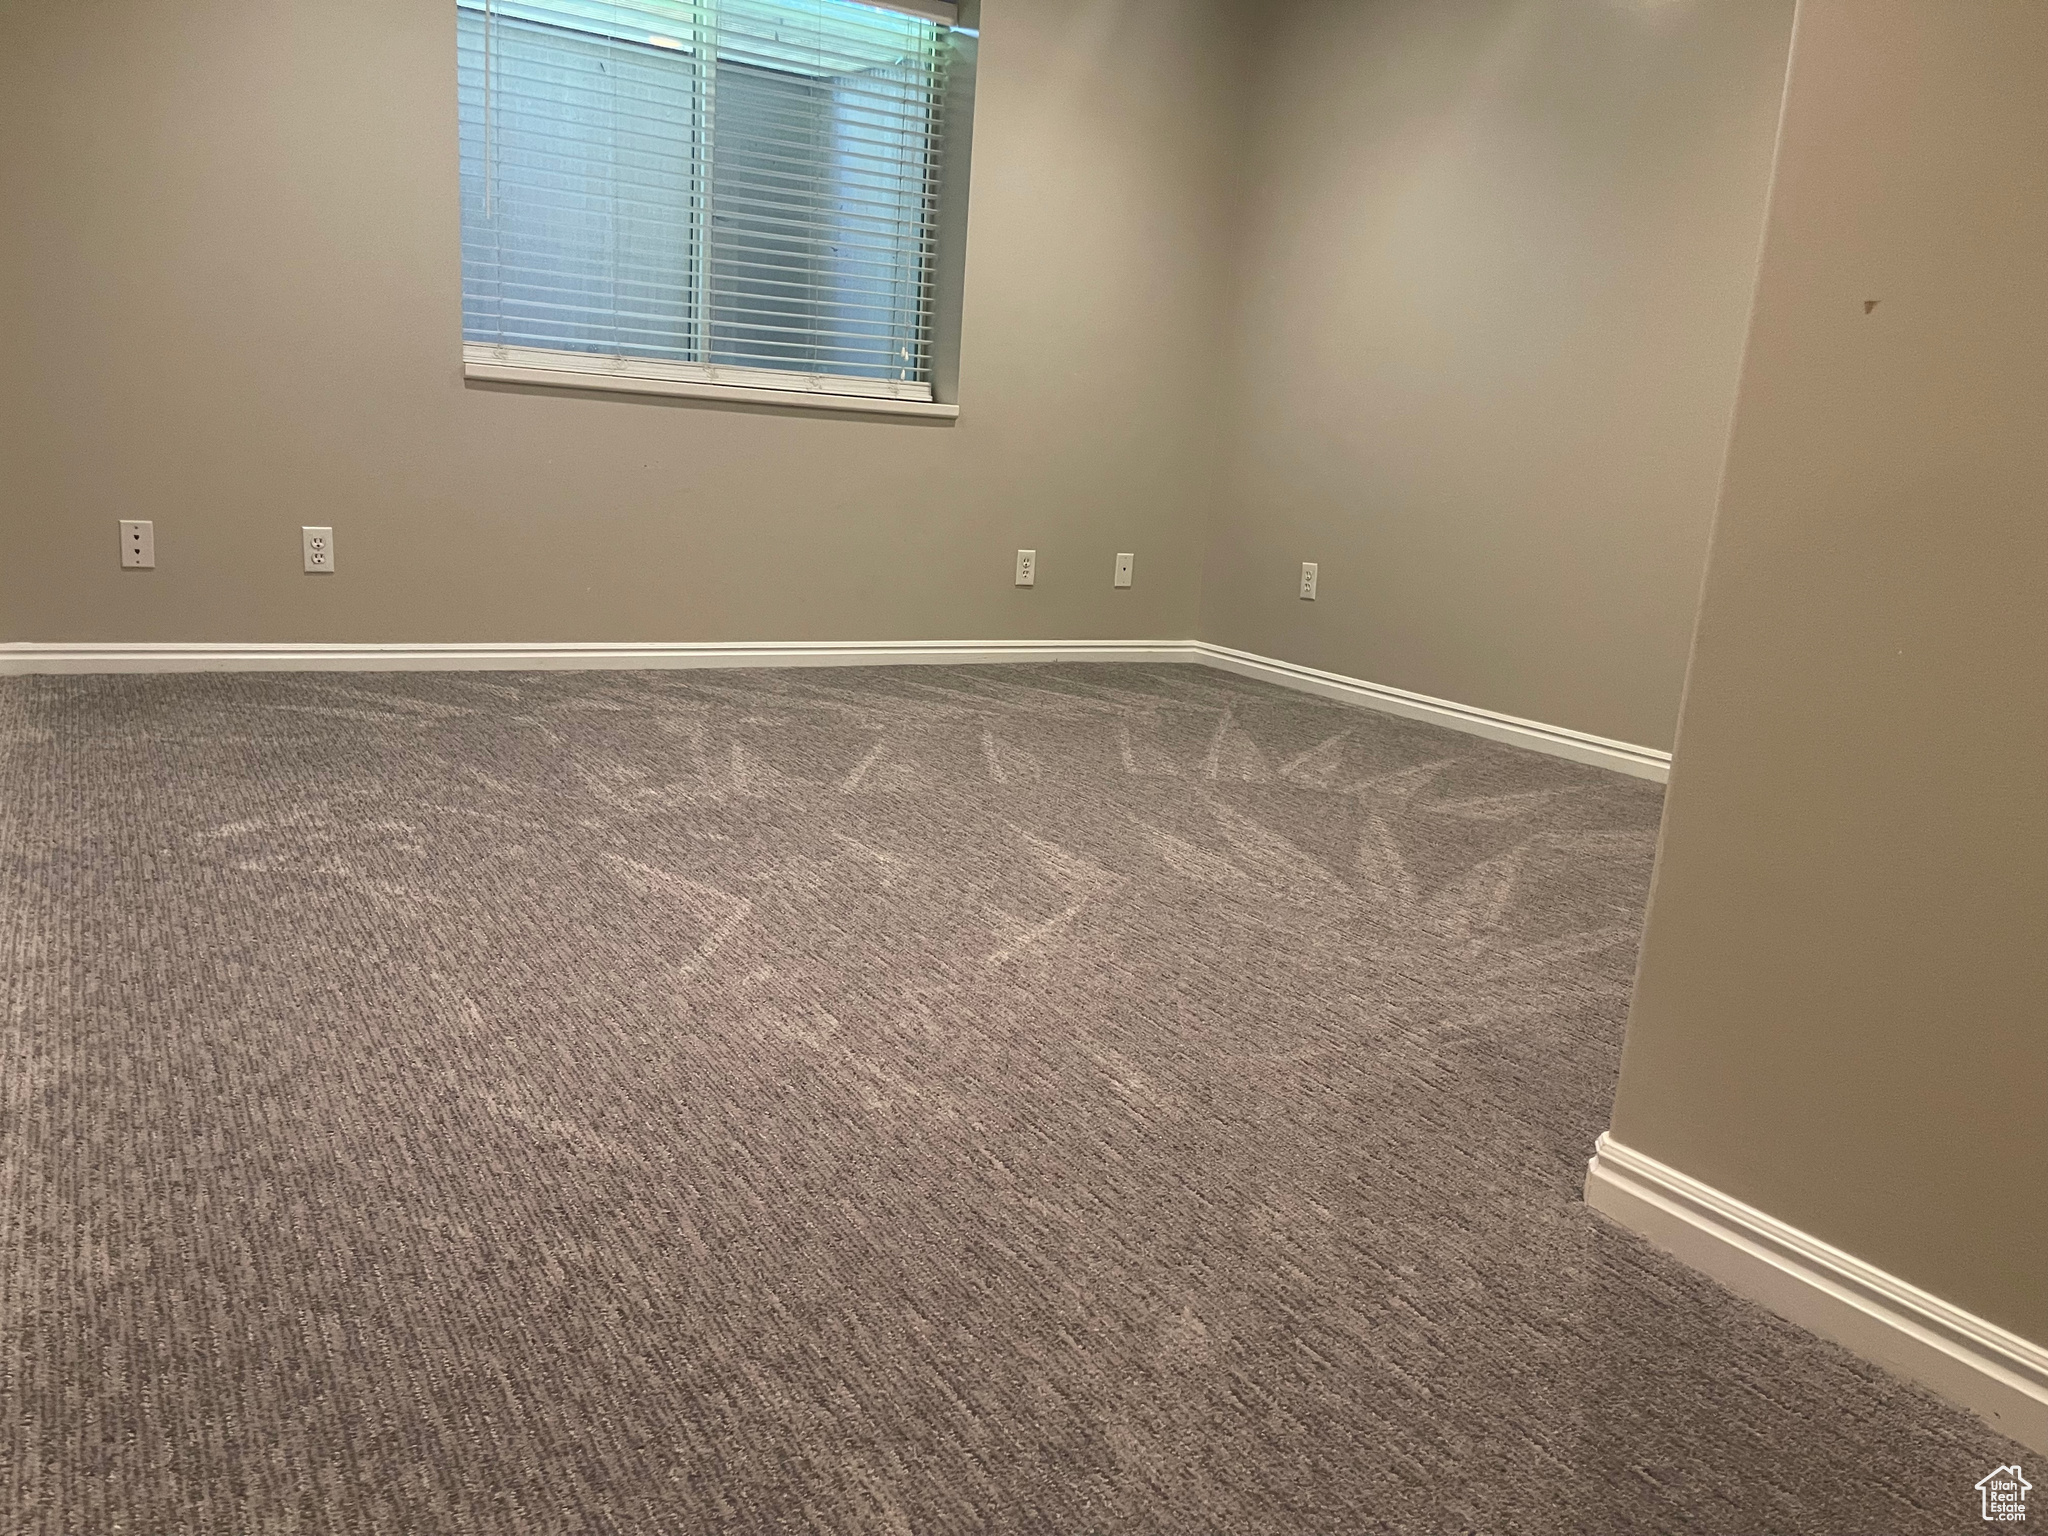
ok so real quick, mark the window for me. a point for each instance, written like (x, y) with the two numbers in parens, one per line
(703, 195)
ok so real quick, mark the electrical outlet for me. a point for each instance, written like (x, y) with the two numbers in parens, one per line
(1123, 569)
(138, 546)
(318, 546)
(1308, 581)
(1027, 567)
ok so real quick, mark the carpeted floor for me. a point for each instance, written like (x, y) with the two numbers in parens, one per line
(1051, 1099)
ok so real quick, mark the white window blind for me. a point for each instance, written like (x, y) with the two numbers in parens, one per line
(732, 192)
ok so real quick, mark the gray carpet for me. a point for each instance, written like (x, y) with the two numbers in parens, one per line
(1061, 1099)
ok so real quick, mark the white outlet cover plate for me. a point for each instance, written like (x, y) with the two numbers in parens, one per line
(317, 545)
(1308, 581)
(138, 546)
(1027, 567)
(1124, 563)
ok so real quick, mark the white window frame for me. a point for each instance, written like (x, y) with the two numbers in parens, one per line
(502, 364)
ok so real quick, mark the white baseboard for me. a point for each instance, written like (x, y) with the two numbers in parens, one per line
(1557, 740)
(1998, 1375)
(226, 656)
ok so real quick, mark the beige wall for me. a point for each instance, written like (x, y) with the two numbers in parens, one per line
(1487, 263)
(1843, 1009)
(229, 256)
(1497, 262)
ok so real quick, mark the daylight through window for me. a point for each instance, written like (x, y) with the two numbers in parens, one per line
(726, 191)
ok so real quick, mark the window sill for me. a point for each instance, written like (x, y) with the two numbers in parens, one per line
(507, 365)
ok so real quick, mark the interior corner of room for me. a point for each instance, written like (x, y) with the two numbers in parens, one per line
(1657, 386)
